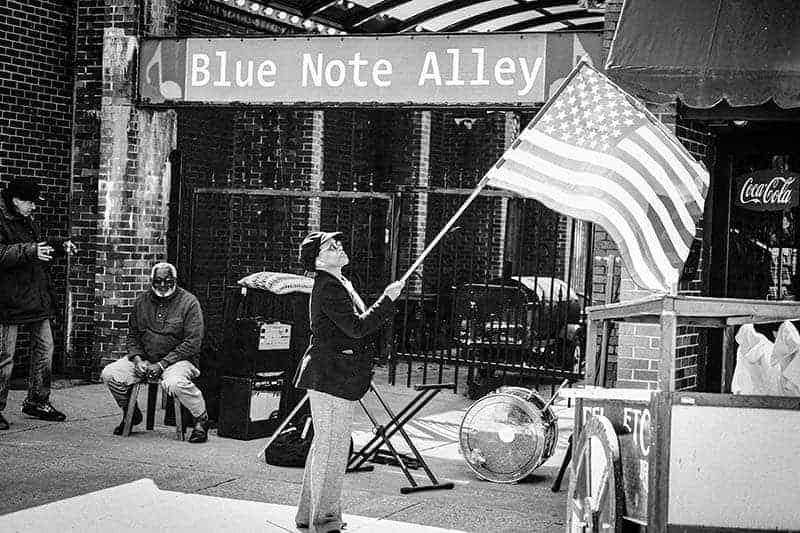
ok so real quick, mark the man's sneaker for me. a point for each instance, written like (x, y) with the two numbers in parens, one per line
(43, 411)
(200, 431)
(3, 422)
(137, 419)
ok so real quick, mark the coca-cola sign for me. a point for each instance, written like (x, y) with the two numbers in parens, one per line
(767, 190)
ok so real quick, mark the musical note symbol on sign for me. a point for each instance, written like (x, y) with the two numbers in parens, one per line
(168, 89)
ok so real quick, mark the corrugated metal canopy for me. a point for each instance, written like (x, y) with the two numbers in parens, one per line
(741, 52)
(394, 16)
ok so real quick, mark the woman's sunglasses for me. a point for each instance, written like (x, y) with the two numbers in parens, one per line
(333, 246)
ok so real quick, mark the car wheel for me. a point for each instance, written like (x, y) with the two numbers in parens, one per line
(578, 364)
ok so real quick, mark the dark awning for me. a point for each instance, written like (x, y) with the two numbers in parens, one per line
(702, 52)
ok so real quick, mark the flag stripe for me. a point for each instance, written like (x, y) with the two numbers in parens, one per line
(586, 208)
(590, 180)
(602, 189)
(698, 171)
(639, 236)
(668, 209)
(648, 162)
(620, 167)
(681, 170)
(679, 209)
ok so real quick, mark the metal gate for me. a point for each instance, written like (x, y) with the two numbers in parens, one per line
(499, 300)
(236, 232)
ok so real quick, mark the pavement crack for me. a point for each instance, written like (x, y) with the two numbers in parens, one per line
(46, 425)
(400, 510)
(214, 485)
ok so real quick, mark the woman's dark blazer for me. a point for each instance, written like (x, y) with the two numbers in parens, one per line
(335, 362)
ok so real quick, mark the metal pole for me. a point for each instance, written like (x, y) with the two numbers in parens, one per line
(445, 229)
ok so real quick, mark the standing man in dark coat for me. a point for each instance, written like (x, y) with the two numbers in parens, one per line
(26, 296)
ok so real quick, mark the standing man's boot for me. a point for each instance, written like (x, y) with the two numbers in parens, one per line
(200, 431)
(43, 411)
(3, 422)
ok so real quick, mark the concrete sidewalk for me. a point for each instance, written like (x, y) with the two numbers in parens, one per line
(222, 486)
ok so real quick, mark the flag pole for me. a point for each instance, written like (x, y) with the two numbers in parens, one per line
(485, 179)
(446, 228)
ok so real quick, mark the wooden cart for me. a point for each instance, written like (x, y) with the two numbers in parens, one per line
(683, 461)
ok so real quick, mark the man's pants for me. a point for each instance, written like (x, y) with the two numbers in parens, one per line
(320, 508)
(41, 353)
(176, 380)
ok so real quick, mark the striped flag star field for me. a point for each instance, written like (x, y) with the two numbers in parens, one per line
(595, 153)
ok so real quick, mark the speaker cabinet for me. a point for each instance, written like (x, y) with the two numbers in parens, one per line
(258, 345)
(249, 407)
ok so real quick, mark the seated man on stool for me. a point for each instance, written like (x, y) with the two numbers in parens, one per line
(164, 337)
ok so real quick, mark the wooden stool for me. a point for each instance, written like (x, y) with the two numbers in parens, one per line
(152, 393)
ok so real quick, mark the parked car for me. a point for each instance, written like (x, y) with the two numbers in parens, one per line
(521, 321)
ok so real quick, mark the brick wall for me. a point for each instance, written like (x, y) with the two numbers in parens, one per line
(36, 72)
(352, 148)
(210, 17)
(230, 236)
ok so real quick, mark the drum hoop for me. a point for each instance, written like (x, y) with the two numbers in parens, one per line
(547, 415)
(545, 446)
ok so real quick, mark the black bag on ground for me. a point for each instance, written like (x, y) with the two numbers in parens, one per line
(291, 446)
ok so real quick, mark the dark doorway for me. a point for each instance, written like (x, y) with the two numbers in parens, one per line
(754, 254)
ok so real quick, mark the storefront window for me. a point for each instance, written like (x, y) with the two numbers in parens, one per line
(763, 244)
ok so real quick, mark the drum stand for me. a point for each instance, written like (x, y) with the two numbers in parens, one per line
(564, 464)
(383, 434)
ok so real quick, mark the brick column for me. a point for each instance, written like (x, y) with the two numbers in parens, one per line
(415, 162)
(313, 148)
(506, 125)
(133, 180)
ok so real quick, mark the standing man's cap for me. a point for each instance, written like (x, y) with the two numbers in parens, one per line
(24, 190)
(309, 249)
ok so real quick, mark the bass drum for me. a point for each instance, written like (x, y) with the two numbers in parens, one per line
(508, 434)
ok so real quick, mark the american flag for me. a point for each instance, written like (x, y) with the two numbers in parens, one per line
(595, 153)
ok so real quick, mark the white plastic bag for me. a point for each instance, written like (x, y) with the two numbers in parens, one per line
(753, 373)
(784, 360)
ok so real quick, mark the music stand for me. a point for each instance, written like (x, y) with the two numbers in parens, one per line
(383, 435)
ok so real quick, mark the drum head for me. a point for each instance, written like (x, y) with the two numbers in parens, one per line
(503, 437)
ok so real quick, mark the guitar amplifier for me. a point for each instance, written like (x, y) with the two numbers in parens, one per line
(249, 407)
(258, 345)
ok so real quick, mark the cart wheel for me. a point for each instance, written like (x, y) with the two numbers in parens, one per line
(595, 500)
